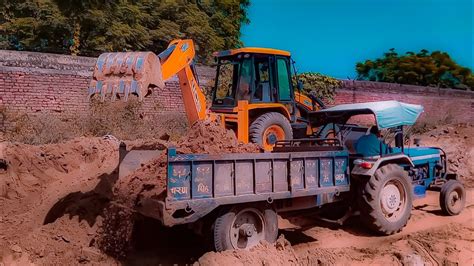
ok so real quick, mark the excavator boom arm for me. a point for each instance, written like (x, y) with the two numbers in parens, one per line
(138, 73)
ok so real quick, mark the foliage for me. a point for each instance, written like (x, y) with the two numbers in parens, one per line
(318, 85)
(89, 27)
(423, 68)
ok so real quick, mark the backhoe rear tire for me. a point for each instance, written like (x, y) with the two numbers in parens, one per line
(385, 200)
(269, 128)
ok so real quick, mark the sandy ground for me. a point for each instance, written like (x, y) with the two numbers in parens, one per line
(53, 198)
(429, 238)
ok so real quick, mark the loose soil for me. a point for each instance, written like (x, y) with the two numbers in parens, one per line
(52, 197)
(458, 143)
(149, 181)
(56, 201)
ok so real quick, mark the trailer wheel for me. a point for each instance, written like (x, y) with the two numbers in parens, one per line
(385, 201)
(243, 227)
(452, 197)
(269, 128)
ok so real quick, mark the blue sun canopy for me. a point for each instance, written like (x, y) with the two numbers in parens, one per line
(387, 113)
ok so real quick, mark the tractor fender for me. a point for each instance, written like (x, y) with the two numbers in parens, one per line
(379, 161)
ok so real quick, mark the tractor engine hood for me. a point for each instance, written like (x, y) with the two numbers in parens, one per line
(421, 153)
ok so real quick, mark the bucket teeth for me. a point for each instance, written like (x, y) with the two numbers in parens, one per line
(122, 74)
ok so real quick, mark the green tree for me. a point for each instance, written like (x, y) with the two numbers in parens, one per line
(34, 26)
(423, 68)
(90, 27)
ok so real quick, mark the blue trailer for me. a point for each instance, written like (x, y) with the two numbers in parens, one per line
(236, 197)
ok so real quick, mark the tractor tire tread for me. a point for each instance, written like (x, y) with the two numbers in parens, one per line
(445, 190)
(368, 203)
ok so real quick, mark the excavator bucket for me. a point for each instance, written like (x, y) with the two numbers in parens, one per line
(122, 74)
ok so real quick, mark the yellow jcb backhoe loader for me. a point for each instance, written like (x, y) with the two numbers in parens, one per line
(253, 93)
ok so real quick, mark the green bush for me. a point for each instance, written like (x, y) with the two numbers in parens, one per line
(319, 85)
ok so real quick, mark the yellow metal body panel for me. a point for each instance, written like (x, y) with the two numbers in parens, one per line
(240, 115)
(253, 106)
(243, 121)
(304, 100)
(255, 50)
(193, 97)
(181, 57)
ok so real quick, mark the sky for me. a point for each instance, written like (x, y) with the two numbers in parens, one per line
(331, 36)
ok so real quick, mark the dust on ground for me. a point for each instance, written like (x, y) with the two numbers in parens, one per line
(429, 239)
(53, 199)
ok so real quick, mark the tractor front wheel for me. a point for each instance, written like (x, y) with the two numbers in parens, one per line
(385, 200)
(269, 128)
(452, 197)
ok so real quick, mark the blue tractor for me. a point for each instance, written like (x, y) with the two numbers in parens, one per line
(235, 198)
(388, 175)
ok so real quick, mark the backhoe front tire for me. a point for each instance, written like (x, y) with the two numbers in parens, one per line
(269, 128)
(385, 200)
(244, 226)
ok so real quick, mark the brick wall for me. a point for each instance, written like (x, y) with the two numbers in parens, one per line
(439, 104)
(49, 83)
(37, 82)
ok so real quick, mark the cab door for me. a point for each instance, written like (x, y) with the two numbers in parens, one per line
(283, 85)
(264, 85)
(283, 80)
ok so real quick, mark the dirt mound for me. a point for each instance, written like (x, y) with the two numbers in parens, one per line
(27, 171)
(279, 253)
(458, 143)
(55, 202)
(210, 138)
(52, 190)
(204, 137)
(149, 181)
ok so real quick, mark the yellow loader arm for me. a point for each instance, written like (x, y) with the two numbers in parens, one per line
(138, 73)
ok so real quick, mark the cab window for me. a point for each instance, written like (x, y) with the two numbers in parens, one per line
(225, 89)
(284, 86)
(245, 80)
(262, 79)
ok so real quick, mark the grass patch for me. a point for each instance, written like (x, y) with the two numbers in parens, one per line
(124, 120)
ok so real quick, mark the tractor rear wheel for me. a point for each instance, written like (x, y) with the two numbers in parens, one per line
(452, 197)
(269, 128)
(242, 227)
(385, 200)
